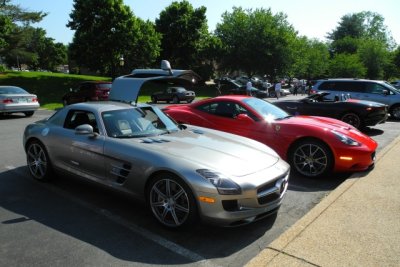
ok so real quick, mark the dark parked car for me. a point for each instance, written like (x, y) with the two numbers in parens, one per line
(14, 99)
(88, 91)
(254, 92)
(359, 113)
(174, 95)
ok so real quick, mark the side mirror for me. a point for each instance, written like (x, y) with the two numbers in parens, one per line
(385, 92)
(85, 129)
(244, 118)
(165, 65)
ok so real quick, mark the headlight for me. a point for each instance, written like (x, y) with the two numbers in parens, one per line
(345, 139)
(224, 185)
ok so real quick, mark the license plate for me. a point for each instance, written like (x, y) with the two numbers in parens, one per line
(22, 100)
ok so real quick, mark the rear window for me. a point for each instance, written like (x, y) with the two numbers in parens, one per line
(104, 85)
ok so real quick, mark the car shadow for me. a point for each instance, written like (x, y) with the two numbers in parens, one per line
(12, 116)
(115, 223)
(372, 131)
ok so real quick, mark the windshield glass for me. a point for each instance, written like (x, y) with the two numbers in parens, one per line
(12, 90)
(268, 111)
(137, 122)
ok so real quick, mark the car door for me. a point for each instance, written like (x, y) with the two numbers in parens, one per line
(82, 155)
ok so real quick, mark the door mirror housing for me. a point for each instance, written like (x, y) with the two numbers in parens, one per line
(244, 118)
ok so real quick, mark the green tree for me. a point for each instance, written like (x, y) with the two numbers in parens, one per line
(375, 57)
(184, 34)
(346, 66)
(106, 30)
(256, 42)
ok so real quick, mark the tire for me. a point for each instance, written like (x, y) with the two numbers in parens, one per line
(352, 119)
(395, 112)
(311, 158)
(189, 101)
(153, 99)
(272, 94)
(38, 161)
(29, 113)
(175, 99)
(65, 102)
(171, 201)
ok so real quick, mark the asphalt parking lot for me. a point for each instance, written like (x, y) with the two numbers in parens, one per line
(70, 222)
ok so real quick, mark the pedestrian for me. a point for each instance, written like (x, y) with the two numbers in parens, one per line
(249, 86)
(303, 87)
(278, 87)
(296, 86)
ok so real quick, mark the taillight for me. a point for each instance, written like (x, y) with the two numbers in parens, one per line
(35, 99)
(7, 100)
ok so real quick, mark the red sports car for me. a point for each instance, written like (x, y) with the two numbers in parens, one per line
(313, 146)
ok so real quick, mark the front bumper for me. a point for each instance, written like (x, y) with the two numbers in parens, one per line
(255, 202)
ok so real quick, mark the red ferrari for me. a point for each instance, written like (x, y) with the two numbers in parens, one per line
(313, 146)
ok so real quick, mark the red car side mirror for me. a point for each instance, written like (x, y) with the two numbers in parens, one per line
(244, 118)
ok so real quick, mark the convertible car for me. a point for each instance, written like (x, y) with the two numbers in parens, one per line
(182, 172)
(314, 146)
(359, 113)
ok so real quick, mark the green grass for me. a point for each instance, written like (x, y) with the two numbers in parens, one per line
(50, 87)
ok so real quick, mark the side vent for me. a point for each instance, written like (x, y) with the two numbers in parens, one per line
(120, 172)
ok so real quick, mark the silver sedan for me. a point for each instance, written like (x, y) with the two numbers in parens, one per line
(14, 99)
(182, 172)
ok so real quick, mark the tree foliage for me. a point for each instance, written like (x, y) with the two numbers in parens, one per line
(108, 32)
(346, 66)
(21, 43)
(184, 32)
(256, 41)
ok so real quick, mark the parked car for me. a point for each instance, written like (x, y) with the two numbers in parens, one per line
(254, 92)
(242, 79)
(184, 173)
(396, 84)
(88, 91)
(174, 94)
(14, 99)
(359, 113)
(314, 146)
(372, 90)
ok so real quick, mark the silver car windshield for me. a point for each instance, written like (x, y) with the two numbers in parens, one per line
(268, 111)
(137, 122)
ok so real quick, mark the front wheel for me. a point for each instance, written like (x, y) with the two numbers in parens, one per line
(171, 201)
(352, 119)
(311, 158)
(395, 112)
(38, 161)
(175, 99)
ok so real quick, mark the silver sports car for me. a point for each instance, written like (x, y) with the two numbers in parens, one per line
(182, 172)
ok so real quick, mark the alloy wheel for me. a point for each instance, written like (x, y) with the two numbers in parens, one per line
(169, 202)
(37, 161)
(310, 159)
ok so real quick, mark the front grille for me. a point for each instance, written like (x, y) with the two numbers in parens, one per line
(272, 191)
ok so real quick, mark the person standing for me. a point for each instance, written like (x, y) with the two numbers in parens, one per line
(249, 86)
(278, 87)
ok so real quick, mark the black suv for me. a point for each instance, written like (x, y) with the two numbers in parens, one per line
(372, 90)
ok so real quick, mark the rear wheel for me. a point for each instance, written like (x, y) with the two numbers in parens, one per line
(171, 201)
(352, 119)
(395, 112)
(38, 161)
(28, 113)
(311, 158)
(65, 102)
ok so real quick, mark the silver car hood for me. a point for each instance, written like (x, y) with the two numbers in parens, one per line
(218, 151)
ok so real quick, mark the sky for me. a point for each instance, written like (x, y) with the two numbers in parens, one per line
(311, 18)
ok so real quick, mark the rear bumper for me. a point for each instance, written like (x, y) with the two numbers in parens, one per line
(13, 108)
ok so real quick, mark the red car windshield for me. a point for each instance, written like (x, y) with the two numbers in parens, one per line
(265, 109)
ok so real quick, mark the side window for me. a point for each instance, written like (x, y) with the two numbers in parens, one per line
(79, 117)
(374, 88)
(330, 86)
(208, 108)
